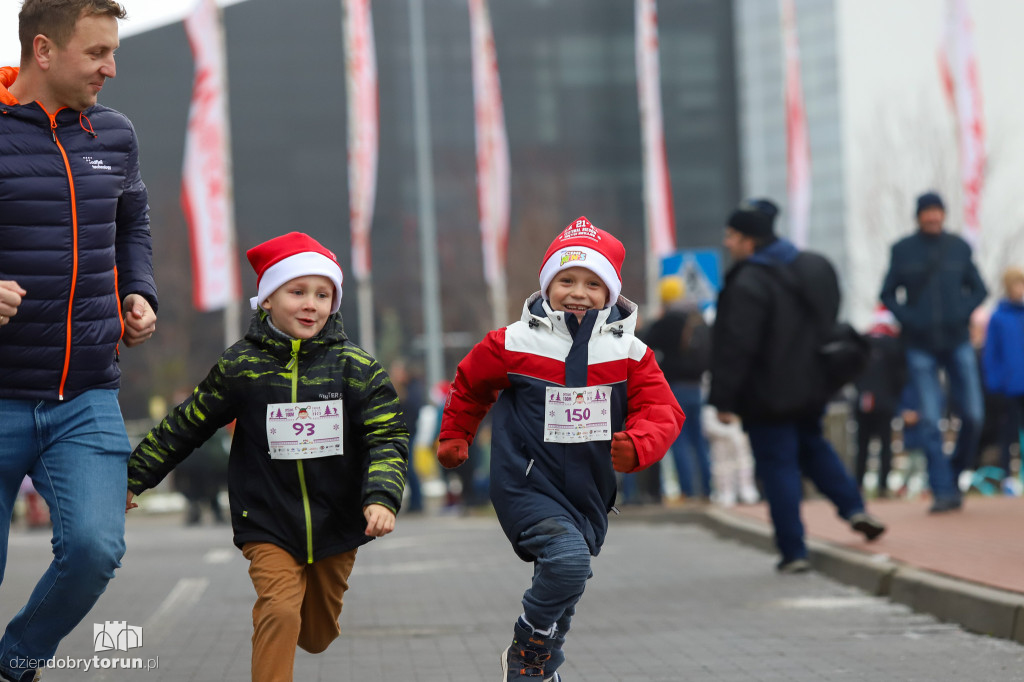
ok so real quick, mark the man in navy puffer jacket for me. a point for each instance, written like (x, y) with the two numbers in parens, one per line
(76, 278)
(932, 288)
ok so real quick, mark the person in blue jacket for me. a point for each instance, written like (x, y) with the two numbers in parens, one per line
(76, 279)
(932, 287)
(1003, 364)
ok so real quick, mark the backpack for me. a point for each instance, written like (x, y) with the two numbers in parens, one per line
(843, 352)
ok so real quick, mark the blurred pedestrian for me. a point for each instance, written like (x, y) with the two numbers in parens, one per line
(318, 456)
(576, 398)
(932, 287)
(200, 479)
(409, 385)
(879, 390)
(732, 463)
(766, 369)
(76, 280)
(1003, 364)
(681, 341)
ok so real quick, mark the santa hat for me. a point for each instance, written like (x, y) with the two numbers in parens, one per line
(584, 246)
(289, 256)
(883, 322)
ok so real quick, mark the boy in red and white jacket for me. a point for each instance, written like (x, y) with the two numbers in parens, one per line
(576, 398)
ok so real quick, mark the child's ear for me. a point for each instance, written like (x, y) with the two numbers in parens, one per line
(265, 304)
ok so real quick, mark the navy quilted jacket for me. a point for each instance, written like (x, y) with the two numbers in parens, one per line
(74, 233)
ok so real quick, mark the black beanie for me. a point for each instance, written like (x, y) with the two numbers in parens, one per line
(754, 218)
(929, 200)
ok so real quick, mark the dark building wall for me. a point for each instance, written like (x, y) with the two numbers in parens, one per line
(569, 87)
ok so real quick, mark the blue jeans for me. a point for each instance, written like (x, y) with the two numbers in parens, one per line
(76, 453)
(561, 569)
(784, 452)
(691, 446)
(965, 397)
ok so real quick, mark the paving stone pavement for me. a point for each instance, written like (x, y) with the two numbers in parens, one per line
(435, 602)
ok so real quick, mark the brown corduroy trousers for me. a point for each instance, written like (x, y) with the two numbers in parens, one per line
(296, 604)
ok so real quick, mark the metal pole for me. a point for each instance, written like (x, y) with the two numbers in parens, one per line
(425, 183)
(367, 338)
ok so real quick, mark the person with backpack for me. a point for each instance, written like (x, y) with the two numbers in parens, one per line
(681, 341)
(775, 311)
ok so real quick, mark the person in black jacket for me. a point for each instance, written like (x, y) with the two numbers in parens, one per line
(76, 281)
(879, 390)
(766, 369)
(932, 288)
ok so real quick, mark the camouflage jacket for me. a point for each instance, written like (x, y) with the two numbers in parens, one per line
(310, 507)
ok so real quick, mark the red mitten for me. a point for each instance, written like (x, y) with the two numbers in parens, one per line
(452, 452)
(624, 457)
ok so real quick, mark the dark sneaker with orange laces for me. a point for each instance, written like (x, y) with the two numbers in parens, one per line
(524, 659)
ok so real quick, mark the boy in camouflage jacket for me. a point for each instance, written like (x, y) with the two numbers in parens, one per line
(319, 453)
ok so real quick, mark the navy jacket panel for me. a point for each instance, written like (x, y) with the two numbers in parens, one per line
(74, 233)
(941, 287)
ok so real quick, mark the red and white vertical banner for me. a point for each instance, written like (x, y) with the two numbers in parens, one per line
(798, 147)
(492, 160)
(206, 189)
(658, 209)
(363, 129)
(960, 75)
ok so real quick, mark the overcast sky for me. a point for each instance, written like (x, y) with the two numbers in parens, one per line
(143, 15)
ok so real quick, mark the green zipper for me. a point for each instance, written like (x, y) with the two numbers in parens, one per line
(293, 365)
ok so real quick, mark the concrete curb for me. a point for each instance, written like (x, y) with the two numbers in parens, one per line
(975, 607)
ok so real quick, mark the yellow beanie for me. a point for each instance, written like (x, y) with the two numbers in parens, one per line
(671, 289)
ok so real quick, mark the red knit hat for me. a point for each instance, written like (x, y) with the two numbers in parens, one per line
(883, 322)
(585, 246)
(289, 256)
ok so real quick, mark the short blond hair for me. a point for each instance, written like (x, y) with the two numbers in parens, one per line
(1011, 276)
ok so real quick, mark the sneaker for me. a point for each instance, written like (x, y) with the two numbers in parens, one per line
(793, 566)
(868, 525)
(554, 678)
(1012, 487)
(946, 504)
(526, 656)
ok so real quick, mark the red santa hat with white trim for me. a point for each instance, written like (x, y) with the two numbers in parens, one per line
(584, 246)
(290, 256)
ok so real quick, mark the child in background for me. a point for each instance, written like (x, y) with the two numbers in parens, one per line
(732, 463)
(553, 460)
(1003, 369)
(305, 491)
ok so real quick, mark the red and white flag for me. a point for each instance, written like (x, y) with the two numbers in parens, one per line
(206, 190)
(658, 208)
(798, 147)
(492, 161)
(363, 129)
(960, 76)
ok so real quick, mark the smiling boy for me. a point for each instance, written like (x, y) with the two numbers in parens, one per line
(552, 466)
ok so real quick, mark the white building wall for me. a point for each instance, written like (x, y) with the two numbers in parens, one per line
(760, 80)
(881, 129)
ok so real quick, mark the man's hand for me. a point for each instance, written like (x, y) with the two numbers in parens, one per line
(624, 457)
(139, 320)
(10, 298)
(129, 505)
(452, 452)
(379, 520)
(726, 417)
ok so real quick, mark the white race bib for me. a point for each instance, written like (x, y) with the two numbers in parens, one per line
(304, 430)
(577, 415)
